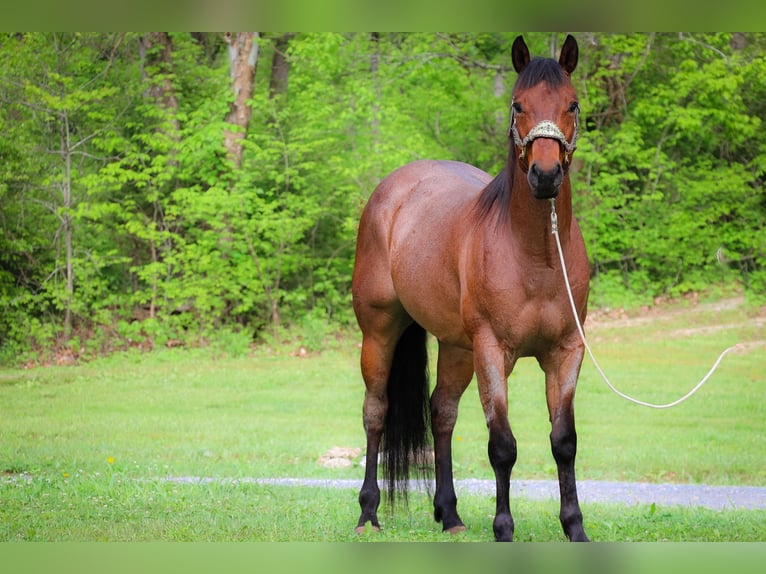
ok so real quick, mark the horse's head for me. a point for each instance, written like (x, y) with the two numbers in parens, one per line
(544, 116)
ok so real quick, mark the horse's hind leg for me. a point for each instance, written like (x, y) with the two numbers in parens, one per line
(561, 371)
(454, 372)
(381, 331)
(375, 361)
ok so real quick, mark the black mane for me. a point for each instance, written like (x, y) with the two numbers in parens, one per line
(496, 197)
(541, 70)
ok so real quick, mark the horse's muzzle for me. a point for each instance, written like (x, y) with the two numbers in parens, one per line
(545, 184)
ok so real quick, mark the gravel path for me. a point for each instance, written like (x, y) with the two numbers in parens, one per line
(630, 493)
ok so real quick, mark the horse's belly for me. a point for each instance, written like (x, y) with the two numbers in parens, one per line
(430, 293)
(427, 282)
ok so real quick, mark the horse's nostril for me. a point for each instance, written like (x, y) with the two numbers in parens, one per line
(545, 183)
(534, 175)
(554, 174)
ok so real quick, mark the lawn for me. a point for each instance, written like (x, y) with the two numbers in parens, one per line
(84, 448)
(112, 509)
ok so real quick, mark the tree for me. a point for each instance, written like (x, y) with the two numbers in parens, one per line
(280, 66)
(157, 74)
(128, 219)
(65, 97)
(667, 139)
(243, 61)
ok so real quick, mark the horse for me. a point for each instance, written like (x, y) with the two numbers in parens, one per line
(444, 248)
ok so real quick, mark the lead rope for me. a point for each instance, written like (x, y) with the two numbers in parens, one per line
(555, 231)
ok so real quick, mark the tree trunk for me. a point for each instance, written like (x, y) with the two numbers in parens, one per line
(374, 67)
(66, 222)
(280, 67)
(243, 61)
(375, 120)
(157, 70)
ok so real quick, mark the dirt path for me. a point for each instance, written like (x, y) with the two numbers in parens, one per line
(666, 311)
(630, 493)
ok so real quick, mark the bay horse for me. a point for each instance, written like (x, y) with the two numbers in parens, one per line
(444, 248)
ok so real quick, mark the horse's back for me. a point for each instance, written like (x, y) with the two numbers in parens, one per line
(452, 180)
(422, 197)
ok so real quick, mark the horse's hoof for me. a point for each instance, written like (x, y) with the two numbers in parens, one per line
(456, 529)
(503, 528)
(363, 528)
(580, 537)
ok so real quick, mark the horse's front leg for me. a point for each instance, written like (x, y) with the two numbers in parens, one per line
(490, 366)
(562, 367)
(454, 372)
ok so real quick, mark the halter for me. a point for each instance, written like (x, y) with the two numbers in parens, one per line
(545, 129)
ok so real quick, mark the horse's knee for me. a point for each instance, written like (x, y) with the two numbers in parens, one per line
(564, 445)
(443, 414)
(502, 449)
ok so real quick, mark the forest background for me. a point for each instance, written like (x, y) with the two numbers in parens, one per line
(166, 189)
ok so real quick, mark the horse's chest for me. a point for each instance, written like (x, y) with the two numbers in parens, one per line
(540, 322)
(527, 316)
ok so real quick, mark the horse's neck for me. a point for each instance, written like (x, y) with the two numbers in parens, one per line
(531, 226)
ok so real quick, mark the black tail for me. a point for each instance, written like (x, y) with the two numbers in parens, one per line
(406, 436)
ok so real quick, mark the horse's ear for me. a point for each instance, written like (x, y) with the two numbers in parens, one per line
(519, 54)
(569, 54)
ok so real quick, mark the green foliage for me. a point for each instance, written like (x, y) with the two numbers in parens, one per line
(673, 167)
(167, 234)
(614, 290)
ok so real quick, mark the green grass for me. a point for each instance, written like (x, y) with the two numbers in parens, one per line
(94, 437)
(115, 509)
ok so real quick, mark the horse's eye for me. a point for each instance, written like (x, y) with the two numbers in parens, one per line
(573, 107)
(517, 107)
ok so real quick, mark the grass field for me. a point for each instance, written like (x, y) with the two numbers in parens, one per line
(84, 447)
(115, 509)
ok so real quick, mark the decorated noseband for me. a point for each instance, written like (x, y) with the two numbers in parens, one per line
(545, 129)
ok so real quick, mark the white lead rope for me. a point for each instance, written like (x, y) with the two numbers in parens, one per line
(555, 231)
